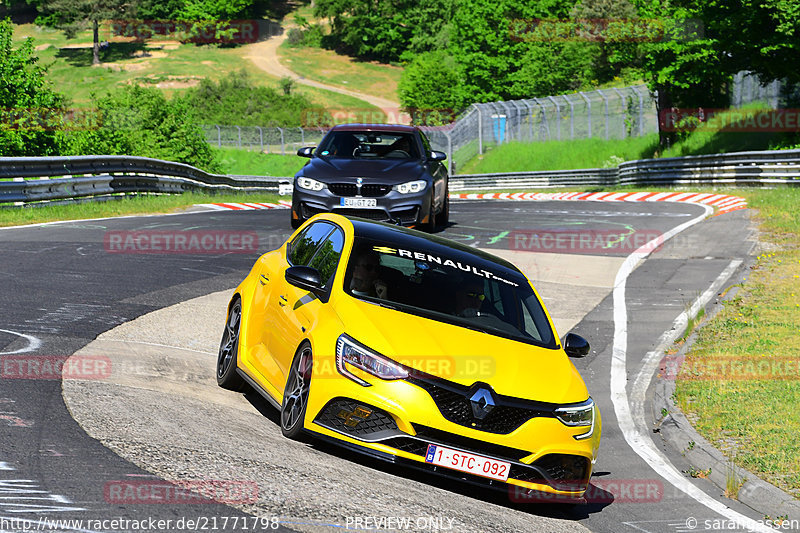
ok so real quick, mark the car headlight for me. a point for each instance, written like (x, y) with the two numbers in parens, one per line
(350, 353)
(410, 187)
(581, 414)
(310, 184)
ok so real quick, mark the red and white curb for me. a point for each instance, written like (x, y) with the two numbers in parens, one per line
(232, 206)
(722, 202)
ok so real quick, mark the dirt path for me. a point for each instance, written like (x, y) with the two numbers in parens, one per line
(264, 55)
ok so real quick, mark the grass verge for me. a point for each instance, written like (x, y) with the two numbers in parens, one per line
(751, 413)
(129, 205)
(236, 161)
(561, 155)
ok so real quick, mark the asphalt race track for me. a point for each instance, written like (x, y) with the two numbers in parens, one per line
(62, 288)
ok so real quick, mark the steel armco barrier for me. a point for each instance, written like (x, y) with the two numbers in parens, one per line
(66, 178)
(767, 168)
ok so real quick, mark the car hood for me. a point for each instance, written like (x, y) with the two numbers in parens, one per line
(389, 171)
(463, 355)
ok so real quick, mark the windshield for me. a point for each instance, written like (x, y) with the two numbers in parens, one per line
(447, 289)
(368, 145)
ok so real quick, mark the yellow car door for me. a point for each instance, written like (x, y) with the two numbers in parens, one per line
(293, 310)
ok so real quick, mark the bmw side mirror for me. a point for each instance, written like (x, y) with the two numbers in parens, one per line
(306, 151)
(576, 346)
(437, 156)
(304, 277)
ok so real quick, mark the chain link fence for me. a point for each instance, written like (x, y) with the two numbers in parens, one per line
(268, 140)
(615, 113)
(607, 113)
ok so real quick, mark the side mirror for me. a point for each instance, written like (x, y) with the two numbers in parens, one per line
(437, 156)
(576, 346)
(306, 278)
(306, 151)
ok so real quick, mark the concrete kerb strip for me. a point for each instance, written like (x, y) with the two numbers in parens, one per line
(676, 429)
(722, 203)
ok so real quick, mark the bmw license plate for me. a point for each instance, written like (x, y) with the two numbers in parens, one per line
(359, 202)
(467, 462)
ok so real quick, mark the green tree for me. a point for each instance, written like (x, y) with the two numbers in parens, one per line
(32, 110)
(73, 16)
(431, 88)
(140, 121)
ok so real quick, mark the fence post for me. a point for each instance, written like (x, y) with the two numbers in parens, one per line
(605, 108)
(449, 152)
(302, 136)
(283, 149)
(219, 136)
(260, 138)
(240, 136)
(509, 113)
(588, 115)
(480, 129)
(641, 110)
(571, 117)
(558, 116)
(624, 111)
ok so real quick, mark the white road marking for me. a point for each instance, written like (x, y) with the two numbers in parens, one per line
(637, 438)
(33, 344)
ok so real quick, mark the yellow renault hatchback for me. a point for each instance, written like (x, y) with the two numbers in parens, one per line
(415, 349)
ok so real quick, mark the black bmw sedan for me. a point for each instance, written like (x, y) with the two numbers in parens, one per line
(376, 171)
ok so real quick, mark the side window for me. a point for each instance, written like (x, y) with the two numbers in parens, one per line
(327, 257)
(425, 143)
(303, 247)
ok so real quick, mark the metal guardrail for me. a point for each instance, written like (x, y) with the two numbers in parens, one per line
(67, 178)
(35, 179)
(779, 167)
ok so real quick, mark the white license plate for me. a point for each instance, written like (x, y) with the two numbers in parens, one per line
(359, 202)
(467, 462)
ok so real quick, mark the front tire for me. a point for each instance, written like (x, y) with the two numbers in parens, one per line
(444, 216)
(295, 395)
(227, 377)
(430, 226)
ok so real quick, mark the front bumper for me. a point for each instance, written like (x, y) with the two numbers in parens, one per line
(403, 420)
(409, 209)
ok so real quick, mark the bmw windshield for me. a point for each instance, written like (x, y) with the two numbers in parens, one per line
(471, 295)
(369, 145)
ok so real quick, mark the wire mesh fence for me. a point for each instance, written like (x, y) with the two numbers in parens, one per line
(607, 113)
(614, 113)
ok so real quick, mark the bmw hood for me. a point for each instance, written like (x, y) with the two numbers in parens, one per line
(463, 355)
(388, 171)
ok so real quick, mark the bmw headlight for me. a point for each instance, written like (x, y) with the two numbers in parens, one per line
(350, 353)
(410, 187)
(310, 184)
(582, 414)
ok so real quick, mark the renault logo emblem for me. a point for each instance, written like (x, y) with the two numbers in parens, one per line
(482, 403)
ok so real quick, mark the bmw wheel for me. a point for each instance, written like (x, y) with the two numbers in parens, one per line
(227, 377)
(295, 396)
(430, 226)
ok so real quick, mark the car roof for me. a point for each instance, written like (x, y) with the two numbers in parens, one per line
(430, 244)
(375, 127)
